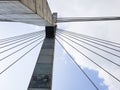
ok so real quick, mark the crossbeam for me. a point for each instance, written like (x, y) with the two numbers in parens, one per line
(35, 12)
(86, 19)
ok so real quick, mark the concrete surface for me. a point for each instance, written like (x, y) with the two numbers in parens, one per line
(35, 12)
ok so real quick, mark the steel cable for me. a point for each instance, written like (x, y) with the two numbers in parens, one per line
(78, 66)
(19, 58)
(93, 38)
(90, 59)
(19, 49)
(101, 45)
(93, 52)
(19, 44)
(19, 41)
(9, 41)
(89, 44)
(14, 37)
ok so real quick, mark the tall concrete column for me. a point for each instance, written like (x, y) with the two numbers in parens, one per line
(42, 75)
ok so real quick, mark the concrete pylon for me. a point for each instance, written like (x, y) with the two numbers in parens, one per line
(42, 75)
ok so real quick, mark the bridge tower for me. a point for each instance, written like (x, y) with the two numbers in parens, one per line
(36, 12)
(42, 75)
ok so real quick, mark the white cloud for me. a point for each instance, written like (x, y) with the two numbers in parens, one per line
(105, 30)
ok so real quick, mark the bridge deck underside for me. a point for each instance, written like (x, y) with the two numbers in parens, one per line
(15, 11)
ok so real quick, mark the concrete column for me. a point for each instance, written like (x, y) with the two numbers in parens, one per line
(42, 75)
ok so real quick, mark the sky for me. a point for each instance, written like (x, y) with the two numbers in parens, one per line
(104, 30)
(67, 75)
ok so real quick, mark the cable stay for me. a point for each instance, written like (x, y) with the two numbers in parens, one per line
(21, 37)
(14, 37)
(20, 49)
(79, 66)
(8, 67)
(19, 44)
(21, 40)
(92, 38)
(106, 46)
(86, 19)
(89, 59)
(80, 40)
(92, 51)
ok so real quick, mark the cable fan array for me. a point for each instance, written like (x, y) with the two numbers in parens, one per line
(19, 43)
(70, 38)
(87, 42)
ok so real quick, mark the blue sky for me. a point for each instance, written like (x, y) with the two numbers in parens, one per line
(69, 77)
(66, 75)
(104, 30)
(18, 76)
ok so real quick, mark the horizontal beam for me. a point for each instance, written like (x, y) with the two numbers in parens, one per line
(41, 8)
(26, 18)
(35, 12)
(85, 19)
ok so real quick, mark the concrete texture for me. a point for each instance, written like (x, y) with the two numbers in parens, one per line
(35, 12)
(42, 75)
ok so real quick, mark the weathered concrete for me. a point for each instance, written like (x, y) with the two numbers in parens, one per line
(42, 75)
(35, 12)
(41, 8)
